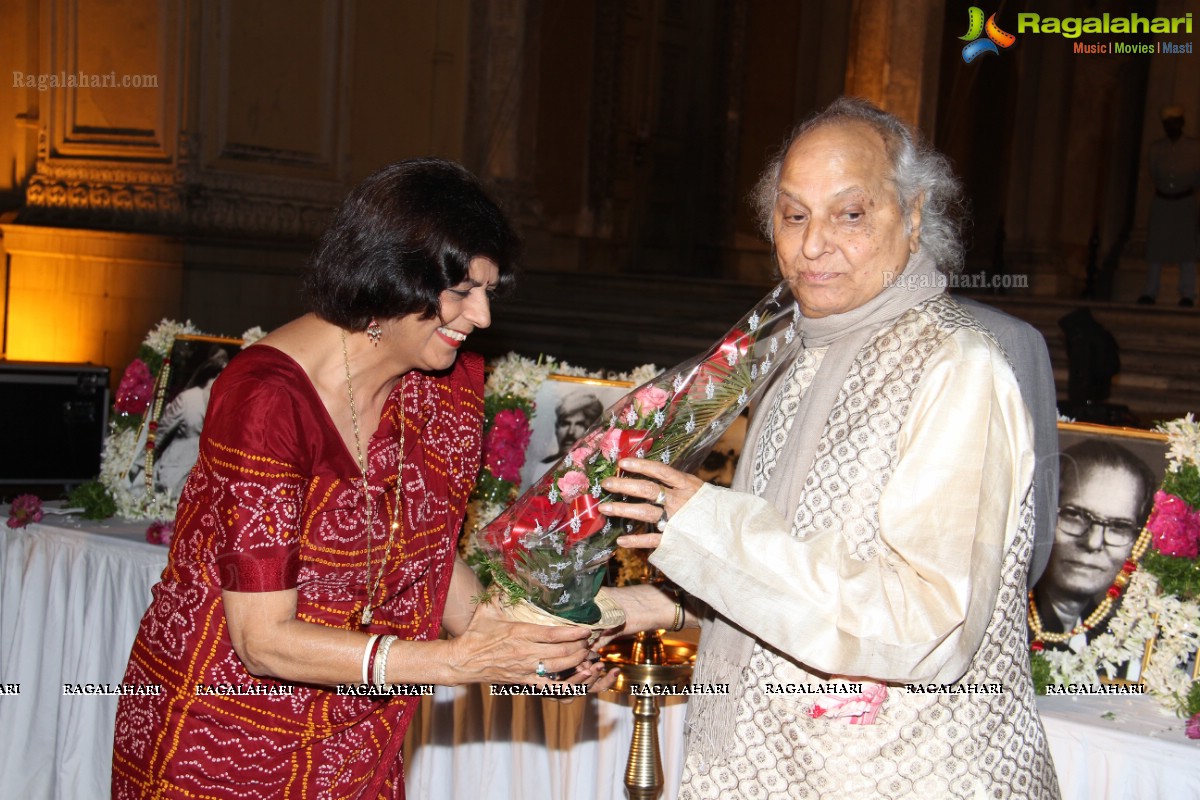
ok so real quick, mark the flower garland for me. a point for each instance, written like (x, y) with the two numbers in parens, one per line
(1162, 599)
(508, 409)
(139, 394)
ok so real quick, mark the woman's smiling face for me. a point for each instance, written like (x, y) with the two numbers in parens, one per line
(432, 344)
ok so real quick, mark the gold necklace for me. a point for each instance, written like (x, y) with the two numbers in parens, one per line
(1101, 611)
(367, 613)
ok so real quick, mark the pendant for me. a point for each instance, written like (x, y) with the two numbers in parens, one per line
(366, 617)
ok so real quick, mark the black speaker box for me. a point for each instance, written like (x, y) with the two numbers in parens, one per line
(52, 422)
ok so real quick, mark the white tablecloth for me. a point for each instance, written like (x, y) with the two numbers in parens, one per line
(1141, 753)
(70, 604)
(71, 601)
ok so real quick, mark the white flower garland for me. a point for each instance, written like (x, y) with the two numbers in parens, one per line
(1183, 444)
(521, 377)
(121, 446)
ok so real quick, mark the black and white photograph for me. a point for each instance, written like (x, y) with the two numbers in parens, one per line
(194, 364)
(1107, 480)
(565, 408)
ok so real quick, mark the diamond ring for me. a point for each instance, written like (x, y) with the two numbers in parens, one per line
(541, 670)
(662, 497)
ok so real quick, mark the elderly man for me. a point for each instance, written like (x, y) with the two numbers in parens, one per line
(866, 571)
(1104, 499)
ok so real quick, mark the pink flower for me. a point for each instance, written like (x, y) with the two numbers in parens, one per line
(581, 454)
(505, 443)
(650, 399)
(572, 484)
(135, 390)
(1193, 727)
(160, 532)
(26, 508)
(1175, 528)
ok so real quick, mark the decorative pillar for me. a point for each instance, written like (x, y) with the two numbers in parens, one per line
(895, 47)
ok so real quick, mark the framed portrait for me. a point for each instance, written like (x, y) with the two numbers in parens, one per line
(1107, 480)
(176, 415)
(565, 407)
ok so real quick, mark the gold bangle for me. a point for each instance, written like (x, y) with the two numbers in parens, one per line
(677, 623)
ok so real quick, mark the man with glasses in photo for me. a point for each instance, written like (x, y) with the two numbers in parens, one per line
(1105, 495)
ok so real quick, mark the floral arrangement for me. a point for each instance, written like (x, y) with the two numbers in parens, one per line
(1162, 598)
(25, 508)
(552, 545)
(136, 404)
(508, 409)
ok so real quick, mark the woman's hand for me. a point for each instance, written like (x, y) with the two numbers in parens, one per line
(665, 489)
(494, 649)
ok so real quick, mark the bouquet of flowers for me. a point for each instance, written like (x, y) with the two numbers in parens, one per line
(552, 545)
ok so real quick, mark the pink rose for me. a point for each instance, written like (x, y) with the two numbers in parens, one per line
(573, 484)
(650, 399)
(581, 454)
(25, 508)
(1193, 727)
(1175, 528)
(135, 389)
(160, 532)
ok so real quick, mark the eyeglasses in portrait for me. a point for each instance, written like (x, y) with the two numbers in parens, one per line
(1107, 480)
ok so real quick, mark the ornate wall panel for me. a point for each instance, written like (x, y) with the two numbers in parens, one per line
(110, 118)
(269, 150)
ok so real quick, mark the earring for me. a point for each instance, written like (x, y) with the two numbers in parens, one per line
(374, 331)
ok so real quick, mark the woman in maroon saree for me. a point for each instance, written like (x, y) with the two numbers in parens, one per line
(315, 539)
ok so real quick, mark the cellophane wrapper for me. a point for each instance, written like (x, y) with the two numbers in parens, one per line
(552, 545)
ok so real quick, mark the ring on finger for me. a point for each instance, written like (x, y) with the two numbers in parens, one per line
(662, 521)
(541, 669)
(662, 497)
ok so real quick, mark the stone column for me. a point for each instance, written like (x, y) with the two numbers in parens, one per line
(893, 56)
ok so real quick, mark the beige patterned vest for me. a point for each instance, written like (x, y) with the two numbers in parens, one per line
(928, 746)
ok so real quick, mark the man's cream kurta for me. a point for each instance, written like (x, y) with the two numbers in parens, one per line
(905, 564)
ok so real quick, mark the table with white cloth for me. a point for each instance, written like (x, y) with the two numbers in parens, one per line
(72, 595)
(71, 600)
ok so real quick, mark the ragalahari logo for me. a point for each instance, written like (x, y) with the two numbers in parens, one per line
(976, 27)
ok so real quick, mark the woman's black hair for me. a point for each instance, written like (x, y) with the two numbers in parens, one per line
(402, 237)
